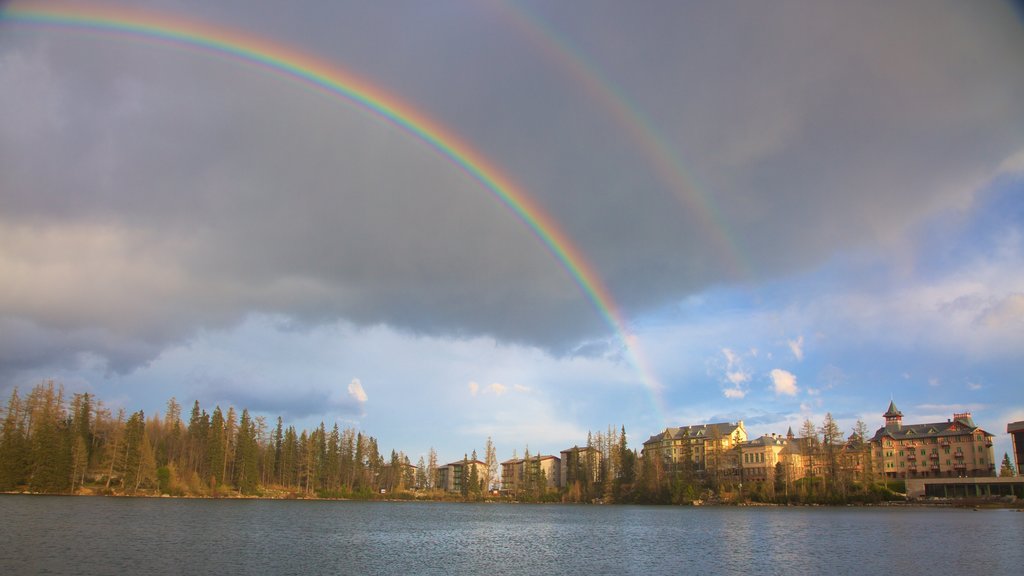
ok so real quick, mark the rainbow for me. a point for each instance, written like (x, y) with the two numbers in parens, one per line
(297, 66)
(631, 120)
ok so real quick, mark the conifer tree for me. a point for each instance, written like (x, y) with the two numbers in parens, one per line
(831, 437)
(246, 456)
(49, 449)
(474, 478)
(215, 450)
(278, 441)
(421, 474)
(14, 453)
(432, 469)
(1006, 470)
(491, 461)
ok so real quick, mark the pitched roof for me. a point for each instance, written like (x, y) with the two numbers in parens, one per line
(893, 410)
(696, 431)
(766, 440)
(929, 430)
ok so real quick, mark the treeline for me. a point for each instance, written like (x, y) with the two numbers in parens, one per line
(52, 445)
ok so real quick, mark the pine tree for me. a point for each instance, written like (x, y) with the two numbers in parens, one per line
(432, 469)
(215, 450)
(278, 440)
(464, 477)
(810, 445)
(14, 453)
(132, 450)
(49, 447)
(81, 438)
(246, 456)
(474, 478)
(1006, 470)
(175, 434)
(831, 438)
(421, 474)
(333, 462)
(491, 460)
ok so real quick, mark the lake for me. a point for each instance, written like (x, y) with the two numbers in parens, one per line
(95, 535)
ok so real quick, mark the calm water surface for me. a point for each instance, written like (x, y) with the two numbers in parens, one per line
(83, 535)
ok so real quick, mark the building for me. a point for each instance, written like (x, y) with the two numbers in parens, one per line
(701, 448)
(518, 473)
(760, 456)
(1016, 432)
(575, 463)
(450, 476)
(954, 448)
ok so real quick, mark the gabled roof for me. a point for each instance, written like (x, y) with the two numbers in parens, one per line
(722, 429)
(765, 440)
(459, 463)
(925, 431)
(578, 449)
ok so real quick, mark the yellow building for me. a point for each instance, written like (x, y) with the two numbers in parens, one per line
(954, 448)
(702, 447)
(759, 457)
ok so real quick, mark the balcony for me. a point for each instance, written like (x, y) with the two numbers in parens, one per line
(944, 442)
(934, 455)
(935, 466)
(911, 456)
(959, 465)
(988, 443)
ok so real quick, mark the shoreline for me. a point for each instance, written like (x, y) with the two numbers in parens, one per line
(975, 503)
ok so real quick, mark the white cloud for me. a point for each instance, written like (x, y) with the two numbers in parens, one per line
(974, 386)
(933, 381)
(737, 377)
(355, 390)
(730, 357)
(734, 393)
(783, 382)
(797, 347)
(1006, 312)
(520, 388)
(497, 389)
(474, 388)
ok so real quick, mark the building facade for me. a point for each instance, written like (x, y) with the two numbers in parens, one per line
(519, 473)
(583, 464)
(954, 448)
(1016, 432)
(450, 476)
(700, 448)
(760, 456)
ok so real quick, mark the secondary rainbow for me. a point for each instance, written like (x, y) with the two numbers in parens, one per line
(334, 80)
(557, 49)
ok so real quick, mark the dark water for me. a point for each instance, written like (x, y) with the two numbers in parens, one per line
(68, 535)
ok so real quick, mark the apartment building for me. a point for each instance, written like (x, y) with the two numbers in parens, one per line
(580, 464)
(450, 476)
(760, 456)
(954, 448)
(518, 473)
(701, 447)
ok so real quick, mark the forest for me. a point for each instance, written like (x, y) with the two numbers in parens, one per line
(52, 443)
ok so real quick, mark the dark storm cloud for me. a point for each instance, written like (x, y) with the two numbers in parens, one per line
(147, 191)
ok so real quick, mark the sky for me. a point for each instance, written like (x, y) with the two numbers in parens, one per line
(734, 211)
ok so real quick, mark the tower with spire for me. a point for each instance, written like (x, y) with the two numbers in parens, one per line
(893, 416)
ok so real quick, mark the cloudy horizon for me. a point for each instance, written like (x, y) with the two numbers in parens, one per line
(797, 209)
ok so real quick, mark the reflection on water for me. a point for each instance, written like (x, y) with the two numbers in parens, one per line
(162, 536)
